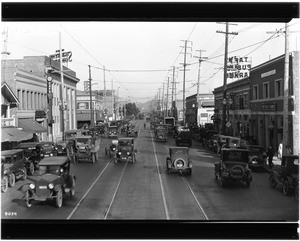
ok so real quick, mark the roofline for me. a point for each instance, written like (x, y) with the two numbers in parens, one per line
(10, 91)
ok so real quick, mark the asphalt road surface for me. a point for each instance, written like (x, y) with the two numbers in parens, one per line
(144, 191)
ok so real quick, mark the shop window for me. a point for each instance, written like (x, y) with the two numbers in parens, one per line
(266, 90)
(255, 92)
(278, 88)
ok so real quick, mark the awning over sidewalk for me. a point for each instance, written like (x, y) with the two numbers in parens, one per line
(30, 125)
(13, 134)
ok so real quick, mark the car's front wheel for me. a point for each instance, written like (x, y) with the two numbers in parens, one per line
(72, 191)
(24, 177)
(12, 180)
(286, 187)
(272, 180)
(4, 184)
(27, 200)
(31, 169)
(59, 198)
(93, 157)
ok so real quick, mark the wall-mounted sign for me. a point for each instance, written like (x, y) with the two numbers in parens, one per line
(268, 107)
(238, 67)
(263, 75)
(8, 122)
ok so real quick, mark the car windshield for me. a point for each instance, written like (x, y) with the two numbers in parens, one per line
(6, 159)
(179, 152)
(124, 143)
(49, 169)
(235, 156)
(82, 141)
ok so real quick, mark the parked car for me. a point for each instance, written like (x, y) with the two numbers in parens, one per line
(206, 137)
(54, 181)
(233, 166)
(86, 148)
(179, 160)
(288, 176)
(184, 136)
(112, 148)
(257, 157)
(112, 132)
(13, 164)
(33, 153)
(161, 134)
(125, 150)
(228, 142)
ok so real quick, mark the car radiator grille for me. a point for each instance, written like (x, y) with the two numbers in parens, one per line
(42, 188)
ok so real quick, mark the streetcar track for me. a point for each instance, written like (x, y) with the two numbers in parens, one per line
(115, 193)
(160, 181)
(86, 193)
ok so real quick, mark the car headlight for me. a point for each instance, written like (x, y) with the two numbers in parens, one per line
(128, 153)
(119, 153)
(31, 185)
(50, 186)
(114, 149)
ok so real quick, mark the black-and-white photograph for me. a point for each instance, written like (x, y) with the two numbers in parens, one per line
(150, 120)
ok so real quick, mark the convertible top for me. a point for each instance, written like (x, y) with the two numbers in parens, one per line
(28, 144)
(54, 161)
(10, 152)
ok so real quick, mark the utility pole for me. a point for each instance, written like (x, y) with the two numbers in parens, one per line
(104, 94)
(62, 116)
(184, 69)
(167, 97)
(225, 76)
(285, 141)
(91, 100)
(172, 107)
(112, 98)
(198, 83)
(163, 99)
(159, 107)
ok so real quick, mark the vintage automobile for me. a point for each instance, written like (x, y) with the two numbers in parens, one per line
(112, 148)
(257, 157)
(233, 166)
(228, 142)
(33, 153)
(161, 134)
(112, 131)
(86, 148)
(207, 135)
(54, 180)
(48, 148)
(184, 136)
(131, 132)
(179, 160)
(287, 176)
(13, 164)
(125, 150)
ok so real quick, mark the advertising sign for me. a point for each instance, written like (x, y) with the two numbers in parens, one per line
(238, 67)
(66, 56)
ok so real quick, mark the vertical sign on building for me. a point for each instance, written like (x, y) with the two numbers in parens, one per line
(238, 67)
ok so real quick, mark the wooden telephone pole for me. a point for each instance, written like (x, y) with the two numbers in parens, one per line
(225, 77)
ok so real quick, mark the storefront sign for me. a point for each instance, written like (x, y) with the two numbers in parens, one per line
(268, 107)
(263, 75)
(238, 67)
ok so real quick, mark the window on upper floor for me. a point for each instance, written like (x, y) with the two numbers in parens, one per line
(266, 90)
(246, 100)
(278, 88)
(255, 92)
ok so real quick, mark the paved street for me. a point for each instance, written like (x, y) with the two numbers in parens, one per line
(144, 190)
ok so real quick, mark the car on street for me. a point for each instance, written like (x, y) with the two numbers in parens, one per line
(112, 132)
(112, 148)
(233, 166)
(125, 150)
(184, 137)
(160, 133)
(13, 163)
(33, 153)
(53, 182)
(287, 176)
(48, 148)
(257, 157)
(179, 160)
(131, 133)
(86, 148)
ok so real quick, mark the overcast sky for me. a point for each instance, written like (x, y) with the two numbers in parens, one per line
(127, 48)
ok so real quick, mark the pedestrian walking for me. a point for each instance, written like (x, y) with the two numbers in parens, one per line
(270, 153)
